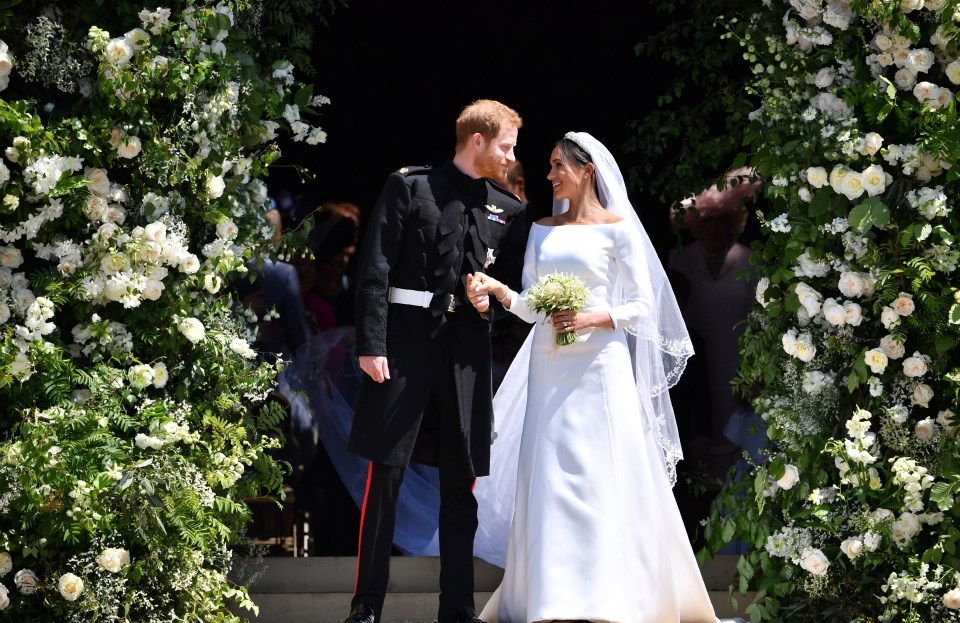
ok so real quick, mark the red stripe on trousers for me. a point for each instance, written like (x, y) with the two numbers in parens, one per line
(363, 514)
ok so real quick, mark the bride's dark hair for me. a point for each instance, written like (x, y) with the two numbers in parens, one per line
(571, 152)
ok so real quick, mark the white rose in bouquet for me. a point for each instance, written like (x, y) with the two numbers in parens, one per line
(70, 586)
(851, 284)
(160, 374)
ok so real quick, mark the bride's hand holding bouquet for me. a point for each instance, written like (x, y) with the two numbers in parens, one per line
(560, 296)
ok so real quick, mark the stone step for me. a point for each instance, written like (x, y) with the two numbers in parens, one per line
(318, 590)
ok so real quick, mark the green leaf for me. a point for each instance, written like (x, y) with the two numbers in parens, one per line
(859, 217)
(922, 231)
(942, 494)
(953, 316)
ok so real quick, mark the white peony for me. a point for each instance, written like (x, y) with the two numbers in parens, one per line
(872, 143)
(851, 284)
(70, 586)
(834, 313)
(4, 597)
(192, 329)
(853, 313)
(889, 318)
(6, 563)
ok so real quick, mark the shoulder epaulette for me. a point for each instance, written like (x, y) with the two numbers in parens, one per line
(414, 170)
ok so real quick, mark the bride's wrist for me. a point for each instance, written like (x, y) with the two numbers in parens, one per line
(503, 297)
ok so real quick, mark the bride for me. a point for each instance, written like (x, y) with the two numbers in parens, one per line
(581, 497)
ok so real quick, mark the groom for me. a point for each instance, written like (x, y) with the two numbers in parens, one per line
(425, 349)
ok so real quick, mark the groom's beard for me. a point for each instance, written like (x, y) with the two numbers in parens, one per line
(489, 166)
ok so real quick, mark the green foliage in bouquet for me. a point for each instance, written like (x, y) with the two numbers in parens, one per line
(135, 418)
(851, 352)
(555, 292)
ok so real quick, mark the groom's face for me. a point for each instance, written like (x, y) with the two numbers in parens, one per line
(496, 155)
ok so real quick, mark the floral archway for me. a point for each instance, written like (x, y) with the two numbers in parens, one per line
(134, 420)
(853, 342)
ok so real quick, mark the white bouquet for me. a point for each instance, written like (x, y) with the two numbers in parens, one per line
(557, 292)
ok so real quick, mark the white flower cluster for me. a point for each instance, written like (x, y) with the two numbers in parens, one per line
(814, 381)
(800, 346)
(930, 202)
(154, 21)
(905, 586)
(165, 432)
(914, 161)
(780, 224)
(6, 65)
(809, 267)
(109, 334)
(861, 441)
(915, 480)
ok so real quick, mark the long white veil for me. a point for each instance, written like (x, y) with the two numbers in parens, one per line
(659, 346)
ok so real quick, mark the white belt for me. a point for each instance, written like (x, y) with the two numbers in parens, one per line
(417, 298)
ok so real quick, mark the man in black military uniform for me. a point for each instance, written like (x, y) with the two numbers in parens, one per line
(426, 350)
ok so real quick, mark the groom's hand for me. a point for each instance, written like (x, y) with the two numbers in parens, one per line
(477, 295)
(376, 367)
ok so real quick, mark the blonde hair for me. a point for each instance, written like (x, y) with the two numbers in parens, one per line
(487, 117)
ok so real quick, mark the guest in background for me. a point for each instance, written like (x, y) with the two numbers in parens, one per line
(721, 288)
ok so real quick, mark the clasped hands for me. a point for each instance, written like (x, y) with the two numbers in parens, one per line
(480, 286)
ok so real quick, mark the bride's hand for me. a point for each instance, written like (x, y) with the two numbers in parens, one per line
(479, 287)
(567, 321)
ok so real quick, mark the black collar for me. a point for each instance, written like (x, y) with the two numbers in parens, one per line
(463, 182)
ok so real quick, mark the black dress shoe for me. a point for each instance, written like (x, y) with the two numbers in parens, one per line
(361, 613)
(466, 615)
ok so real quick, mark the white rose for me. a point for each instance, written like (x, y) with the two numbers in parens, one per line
(904, 79)
(944, 419)
(893, 348)
(834, 313)
(138, 38)
(836, 175)
(155, 232)
(805, 350)
(903, 304)
(70, 586)
(851, 185)
(129, 147)
(26, 582)
(6, 563)
(4, 313)
(4, 597)
(152, 289)
(113, 559)
(227, 230)
(192, 329)
(915, 366)
(212, 283)
(924, 91)
(951, 599)
(160, 375)
(114, 263)
(824, 78)
(853, 313)
(118, 51)
(762, 284)
(882, 514)
(889, 318)
(6, 63)
(790, 477)
(882, 42)
(872, 143)
(925, 429)
(189, 264)
(877, 360)
(852, 548)
(953, 72)
(814, 561)
(10, 257)
(789, 342)
(99, 182)
(140, 375)
(910, 522)
(215, 185)
(851, 284)
(922, 395)
(874, 180)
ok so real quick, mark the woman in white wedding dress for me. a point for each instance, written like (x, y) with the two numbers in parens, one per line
(595, 533)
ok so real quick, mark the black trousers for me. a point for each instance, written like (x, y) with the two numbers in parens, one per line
(458, 512)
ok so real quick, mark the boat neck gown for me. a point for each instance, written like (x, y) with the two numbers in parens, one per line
(596, 533)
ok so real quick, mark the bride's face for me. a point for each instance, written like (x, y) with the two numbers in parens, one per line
(565, 177)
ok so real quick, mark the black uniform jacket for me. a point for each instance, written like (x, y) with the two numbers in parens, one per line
(428, 230)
